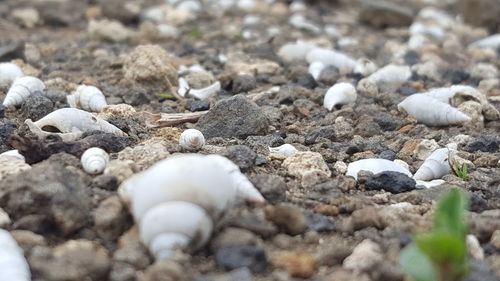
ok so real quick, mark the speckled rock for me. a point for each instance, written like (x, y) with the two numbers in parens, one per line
(145, 153)
(36, 106)
(272, 187)
(393, 182)
(241, 155)
(309, 167)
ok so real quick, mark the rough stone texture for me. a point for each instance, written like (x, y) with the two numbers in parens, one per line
(151, 66)
(145, 153)
(244, 83)
(309, 167)
(115, 9)
(289, 218)
(393, 182)
(301, 265)
(235, 117)
(36, 106)
(385, 14)
(484, 144)
(272, 187)
(320, 223)
(364, 257)
(11, 166)
(48, 195)
(241, 155)
(109, 30)
(72, 261)
(110, 218)
(327, 132)
(198, 105)
(480, 271)
(232, 257)
(481, 12)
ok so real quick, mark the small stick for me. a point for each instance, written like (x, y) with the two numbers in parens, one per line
(170, 119)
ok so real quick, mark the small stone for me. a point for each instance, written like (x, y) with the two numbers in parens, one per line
(255, 224)
(198, 105)
(244, 83)
(388, 154)
(393, 182)
(364, 257)
(327, 210)
(108, 30)
(233, 236)
(272, 187)
(241, 155)
(36, 106)
(107, 182)
(483, 225)
(320, 223)
(289, 218)
(240, 274)
(309, 167)
(27, 17)
(363, 218)
(146, 153)
(385, 14)
(232, 257)
(327, 132)
(199, 79)
(495, 239)
(235, 117)
(166, 270)
(484, 144)
(127, 12)
(27, 239)
(110, 218)
(480, 271)
(12, 50)
(474, 248)
(121, 169)
(342, 274)
(10, 165)
(301, 265)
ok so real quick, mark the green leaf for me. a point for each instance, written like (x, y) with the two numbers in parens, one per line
(441, 247)
(416, 264)
(166, 96)
(195, 33)
(450, 214)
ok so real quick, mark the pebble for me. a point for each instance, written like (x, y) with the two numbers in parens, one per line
(244, 83)
(240, 274)
(235, 117)
(309, 167)
(365, 256)
(199, 79)
(241, 155)
(327, 132)
(36, 106)
(108, 30)
(393, 182)
(10, 165)
(27, 17)
(236, 256)
(233, 236)
(385, 14)
(484, 144)
(425, 148)
(27, 239)
(146, 153)
(272, 187)
(481, 271)
(255, 224)
(288, 218)
(110, 218)
(474, 248)
(300, 265)
(320, 223)
(198, 105)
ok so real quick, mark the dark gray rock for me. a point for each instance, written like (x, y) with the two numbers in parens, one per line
(36, 106)
(327, 132)
(253, 223)
(484, 144)
(320, 223)
(56, 195)
(233, 236)
(387, 122)
(271, 140)
(384, 14)
(235, 117)
(244, 83)
(241, 155)
(388, 154)
(12, 50)
(6, 128)
(393, 182)
(232, 257)
(272, 187)
(198, 105)
(367, 127)
(2, 111)
(307, 81)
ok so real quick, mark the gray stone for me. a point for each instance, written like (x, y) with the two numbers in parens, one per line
(327, 132)
(271, 186)
(110, 218)
(241, 155)
(12, 50)
(233, 236)
(244, 83)
(198, 105)
(480, 271)
(484, 144)
(393, 182)
(235, 117)
(384, 14)
(36, 106)
(236, 256)
(320, 223)
(49, 192)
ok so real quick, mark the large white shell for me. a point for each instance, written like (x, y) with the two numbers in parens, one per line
(391, 74)
(87, 98)
(285, 149)
(72, 123)
(331, 57)
(200, 94)
(94, 160)
(21, 89)
(430, 111)
(192, 139)
(492, 42)
(13, 265)
(435, 166)
(9, 72)
(340, 93)
(375, 166)
(212, 183)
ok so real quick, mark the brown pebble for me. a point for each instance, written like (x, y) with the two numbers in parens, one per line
(301, 265)
(327, 210)
(289, 218)
(406, 129)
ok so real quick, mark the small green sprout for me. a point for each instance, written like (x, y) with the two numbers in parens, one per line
(440, 255)
(239, 35)
(195, 33)
(166, 97)
(462, 171)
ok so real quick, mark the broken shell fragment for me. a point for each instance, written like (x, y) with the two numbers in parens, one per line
(88, 98)
(21, 89)
(9, 72)
(391, 74)
(315, 69)
(340, 93)
(13, 264)
(375, 166)
(432, 112)
(94, 160)
(192, 139)
(330, 57)
(435, 166)
(71, 124)
(200, 94)
(285, 149)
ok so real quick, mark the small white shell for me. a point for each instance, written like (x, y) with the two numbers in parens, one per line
(365, 67)
(330, 57)
(72, 123)
(492, 42)
(432, 112)
(340, 93)
(199, 94)
(192, 139)
(391, 74)
(285, 149)
(295, 51)
(13, 153)
(435, 166)
(9, 72)
(94, 160)
(315, 69)
(21, 89)
(193, 190)
(375, 166)
(87, 98)
(13, 265)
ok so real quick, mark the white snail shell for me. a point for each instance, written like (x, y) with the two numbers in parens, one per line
(435, 166)
(285, 149)
(375, 166)
(365, 67)
(445, 94)
(176, 200)
(13, 153)
(315, 69)
(340, 93)
(87, 98)
(200, 94)
(331, 57)
(9, 72)
(21, 89)
(13, 265)
(72, 123)
(295, 51)
(94, 160)
(391, 74)
(432, 112)
(192, 139)
(492, 42)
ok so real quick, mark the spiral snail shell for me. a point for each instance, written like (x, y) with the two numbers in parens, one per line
(9, 72)
(192, 139)
(94, 160)
(13, 265)
(340, 93)
(176, 200)
(21, 89)
(435, 166)
(87, 98)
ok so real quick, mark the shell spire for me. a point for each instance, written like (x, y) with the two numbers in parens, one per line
(21, 89)
(435, 166)
(94, 160)
(87, 98)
